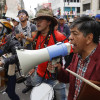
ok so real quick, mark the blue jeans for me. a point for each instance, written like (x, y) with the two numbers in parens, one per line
(59, 88)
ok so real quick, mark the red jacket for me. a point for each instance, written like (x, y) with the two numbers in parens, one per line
(59, 37)
(92, 73)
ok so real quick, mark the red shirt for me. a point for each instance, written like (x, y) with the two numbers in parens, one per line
(40, 42)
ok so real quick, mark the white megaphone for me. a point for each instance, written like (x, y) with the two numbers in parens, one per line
(28, 59)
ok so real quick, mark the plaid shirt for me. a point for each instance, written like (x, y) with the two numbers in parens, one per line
(81, 70)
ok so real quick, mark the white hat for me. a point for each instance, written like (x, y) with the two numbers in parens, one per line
(16, 19)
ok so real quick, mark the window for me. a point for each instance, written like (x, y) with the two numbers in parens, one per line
(99, 4)
(68, 0)
(78, 9)
(86, 7)
(64, 0)
(77, 0)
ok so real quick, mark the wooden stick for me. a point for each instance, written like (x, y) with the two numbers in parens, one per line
(85, 80)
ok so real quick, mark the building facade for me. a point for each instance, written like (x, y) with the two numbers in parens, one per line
(2, 6)
(67, 8)
(90, 7)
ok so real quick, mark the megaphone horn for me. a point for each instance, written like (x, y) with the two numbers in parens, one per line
(30, 58)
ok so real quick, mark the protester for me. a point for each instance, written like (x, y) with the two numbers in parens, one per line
(75, 17)
(15, 22)
(24, 32)
(70, 21)
(47, 36)
(63, 28)
(10, 61)
(84, 36)
(97, 18)
(24, 29)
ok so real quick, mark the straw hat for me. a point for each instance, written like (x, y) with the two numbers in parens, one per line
(46, 13)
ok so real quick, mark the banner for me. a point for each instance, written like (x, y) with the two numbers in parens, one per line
(12, 8)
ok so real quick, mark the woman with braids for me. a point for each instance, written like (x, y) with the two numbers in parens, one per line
(47, 36)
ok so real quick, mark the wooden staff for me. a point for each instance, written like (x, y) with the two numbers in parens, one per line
(85, 80)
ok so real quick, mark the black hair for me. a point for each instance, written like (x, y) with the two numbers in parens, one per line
(51, 31)
(23, 11)
(87, 25)
(52, 25)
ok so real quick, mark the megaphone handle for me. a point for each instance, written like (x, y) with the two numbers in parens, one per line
(54, 61)
(53, 75)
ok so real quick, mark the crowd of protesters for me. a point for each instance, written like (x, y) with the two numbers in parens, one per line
(47, 30)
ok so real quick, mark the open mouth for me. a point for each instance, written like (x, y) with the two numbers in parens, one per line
(73, 46)
(38, 26)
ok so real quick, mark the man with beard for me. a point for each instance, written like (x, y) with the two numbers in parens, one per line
(23, 33)
(24, 30)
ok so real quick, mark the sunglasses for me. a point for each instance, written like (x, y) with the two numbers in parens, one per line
(22, 14)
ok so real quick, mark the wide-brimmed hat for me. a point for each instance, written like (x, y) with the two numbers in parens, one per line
(47, 14)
